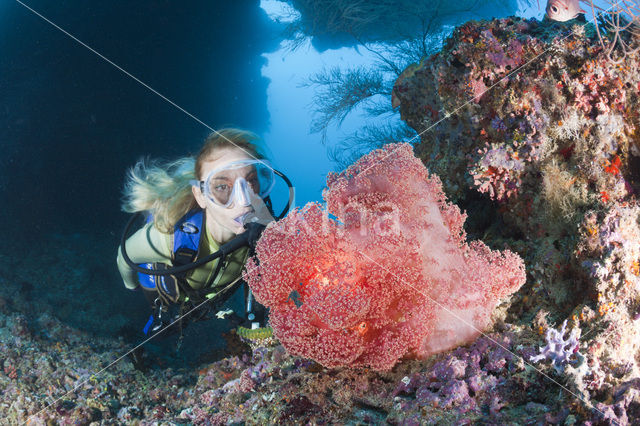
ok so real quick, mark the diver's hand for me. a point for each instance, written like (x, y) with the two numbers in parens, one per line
(260, 212)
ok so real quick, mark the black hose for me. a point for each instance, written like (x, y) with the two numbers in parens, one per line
(247, 238)
(174, 270)
(292, 194)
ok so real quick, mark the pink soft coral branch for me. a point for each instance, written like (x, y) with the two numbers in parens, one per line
(393, 276)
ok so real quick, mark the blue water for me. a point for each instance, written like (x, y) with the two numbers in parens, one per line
(72, 123)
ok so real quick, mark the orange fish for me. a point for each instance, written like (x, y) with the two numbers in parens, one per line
(563, 10)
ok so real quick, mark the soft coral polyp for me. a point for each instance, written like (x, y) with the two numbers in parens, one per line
(392, 276)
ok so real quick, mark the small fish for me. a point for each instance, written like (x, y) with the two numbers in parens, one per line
(223, 314)
(295, 297)
(563, 10)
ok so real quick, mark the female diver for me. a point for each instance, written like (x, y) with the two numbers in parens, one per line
(219, 192)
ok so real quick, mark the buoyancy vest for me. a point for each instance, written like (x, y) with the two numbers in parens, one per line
(187, 235)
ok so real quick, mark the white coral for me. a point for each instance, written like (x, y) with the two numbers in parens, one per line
(559, 350)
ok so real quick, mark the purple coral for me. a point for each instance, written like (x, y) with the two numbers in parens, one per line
(467, 382)
(496, 53)
(559, 350)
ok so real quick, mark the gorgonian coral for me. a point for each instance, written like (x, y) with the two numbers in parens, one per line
(391, 276)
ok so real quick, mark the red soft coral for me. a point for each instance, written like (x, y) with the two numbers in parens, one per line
(393, 276)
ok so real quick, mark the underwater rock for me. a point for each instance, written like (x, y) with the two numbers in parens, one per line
(536, 118)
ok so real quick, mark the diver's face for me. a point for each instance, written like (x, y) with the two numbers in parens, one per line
(224, 222)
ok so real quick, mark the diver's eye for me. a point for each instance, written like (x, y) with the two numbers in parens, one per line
(221, 188)
(554, 9)
(253, 181)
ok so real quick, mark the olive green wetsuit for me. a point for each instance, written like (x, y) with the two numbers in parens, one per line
(149, 245)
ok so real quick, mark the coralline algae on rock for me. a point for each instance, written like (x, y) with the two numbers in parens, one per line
(549, 137)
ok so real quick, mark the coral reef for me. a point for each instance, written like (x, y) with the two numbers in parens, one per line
(50, 375)
(545, 164)
(391, 276)
(53, 374)
(533, 122)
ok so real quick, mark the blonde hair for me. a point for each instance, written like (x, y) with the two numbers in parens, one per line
(163, 189)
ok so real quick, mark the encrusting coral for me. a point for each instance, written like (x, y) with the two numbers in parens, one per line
(536, 117)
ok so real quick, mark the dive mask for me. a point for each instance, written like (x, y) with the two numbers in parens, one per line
(233, 181)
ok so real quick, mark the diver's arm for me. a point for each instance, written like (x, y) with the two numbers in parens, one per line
(147, 245)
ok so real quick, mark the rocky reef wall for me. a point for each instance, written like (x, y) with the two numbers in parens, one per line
(531, 124)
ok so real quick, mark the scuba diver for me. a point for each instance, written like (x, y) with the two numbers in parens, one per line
(204, 216)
